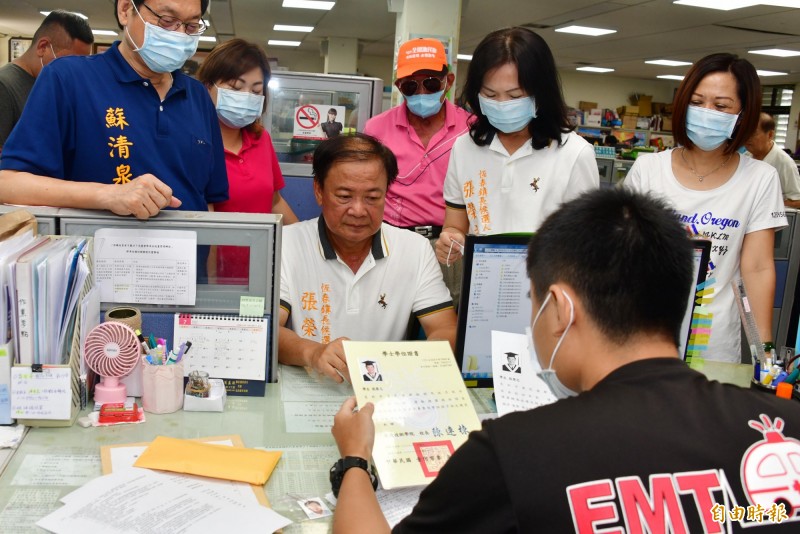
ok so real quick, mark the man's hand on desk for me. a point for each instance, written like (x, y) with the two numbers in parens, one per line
(330, 361)
(353, 430)
(142, 197)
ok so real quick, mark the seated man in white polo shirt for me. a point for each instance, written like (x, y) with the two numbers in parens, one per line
(346, 275)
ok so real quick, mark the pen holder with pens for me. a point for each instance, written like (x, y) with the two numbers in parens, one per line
(162, 387)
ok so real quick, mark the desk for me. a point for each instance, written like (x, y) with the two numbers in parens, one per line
(258, 420)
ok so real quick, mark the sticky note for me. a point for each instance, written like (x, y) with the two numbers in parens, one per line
(251, 306)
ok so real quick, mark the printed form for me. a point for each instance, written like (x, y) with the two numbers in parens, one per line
(146, 266)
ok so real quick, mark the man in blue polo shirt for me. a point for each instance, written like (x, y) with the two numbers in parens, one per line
(125, 130)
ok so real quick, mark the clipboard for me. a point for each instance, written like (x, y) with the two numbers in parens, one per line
(105, 457)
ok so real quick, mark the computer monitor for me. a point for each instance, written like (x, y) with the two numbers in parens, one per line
(691, 323)
(494, 293)
(494, 296)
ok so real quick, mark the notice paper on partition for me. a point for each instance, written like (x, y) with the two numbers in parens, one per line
(146, 266)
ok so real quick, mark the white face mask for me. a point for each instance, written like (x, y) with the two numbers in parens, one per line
(549, 375)
(54, 56)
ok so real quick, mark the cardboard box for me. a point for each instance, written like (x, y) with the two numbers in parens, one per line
(629, 122)
(666, 124)
(658, 107)
(628, 110)
(644, 102)
(586, 106)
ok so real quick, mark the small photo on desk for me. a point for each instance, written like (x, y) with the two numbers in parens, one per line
(315, 508)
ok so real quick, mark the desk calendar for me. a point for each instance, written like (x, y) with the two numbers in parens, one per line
(225, 346)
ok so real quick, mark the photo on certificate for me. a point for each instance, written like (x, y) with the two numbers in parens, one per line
(370, 372)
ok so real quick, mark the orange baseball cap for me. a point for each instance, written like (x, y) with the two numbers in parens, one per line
(420, 54)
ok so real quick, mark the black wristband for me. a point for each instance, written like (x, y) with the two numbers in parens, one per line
(342, 465)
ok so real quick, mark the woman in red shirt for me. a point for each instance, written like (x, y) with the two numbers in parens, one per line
(236, 74)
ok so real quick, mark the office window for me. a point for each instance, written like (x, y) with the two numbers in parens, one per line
(777, 101)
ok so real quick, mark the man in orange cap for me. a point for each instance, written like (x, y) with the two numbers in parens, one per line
(421, 132)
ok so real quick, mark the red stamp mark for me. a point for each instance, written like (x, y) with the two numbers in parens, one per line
(432, 455)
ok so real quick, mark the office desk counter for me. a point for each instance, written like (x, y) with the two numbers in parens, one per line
(52, 462)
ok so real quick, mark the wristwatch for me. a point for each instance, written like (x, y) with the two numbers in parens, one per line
(343, 464)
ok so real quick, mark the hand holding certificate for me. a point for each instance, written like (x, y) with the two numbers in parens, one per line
(422, 412)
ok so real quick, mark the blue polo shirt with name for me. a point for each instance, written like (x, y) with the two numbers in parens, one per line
(94, 119)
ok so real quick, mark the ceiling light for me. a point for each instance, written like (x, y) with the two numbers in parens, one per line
(670, 77)
(585, 30)
(309, 4)
(722, 5)
(81, 15)
(464, 57)
(208, 38)
(778, 52)
(105, 32)
(290, 28)
(770, 73)
(668, 62)
(207, 22)
(595, 69)
(278, 42)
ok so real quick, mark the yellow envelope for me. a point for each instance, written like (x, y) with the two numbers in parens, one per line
(204, 459)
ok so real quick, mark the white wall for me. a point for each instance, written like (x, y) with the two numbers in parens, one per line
(297, 61)
(4, 50)
(377, 67)
(610, 91)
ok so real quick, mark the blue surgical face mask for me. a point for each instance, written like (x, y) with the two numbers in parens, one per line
(549, 375)
(425, 105)
(163, 50)
(508, 116)
(709, 128)
(237, 109)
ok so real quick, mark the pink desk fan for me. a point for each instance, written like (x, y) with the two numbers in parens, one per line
(111, 350)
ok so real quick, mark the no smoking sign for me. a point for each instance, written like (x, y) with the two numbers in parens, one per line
(307, 117)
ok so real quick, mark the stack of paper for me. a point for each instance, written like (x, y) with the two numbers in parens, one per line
(310, 402)
(41, 279)
(137, 500)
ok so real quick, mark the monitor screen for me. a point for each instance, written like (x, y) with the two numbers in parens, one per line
(694, 329)
(494, 296)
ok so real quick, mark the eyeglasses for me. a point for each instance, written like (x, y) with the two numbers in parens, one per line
(173, 24)
(410, 87)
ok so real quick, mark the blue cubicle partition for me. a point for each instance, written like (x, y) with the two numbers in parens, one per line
(298, 192)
